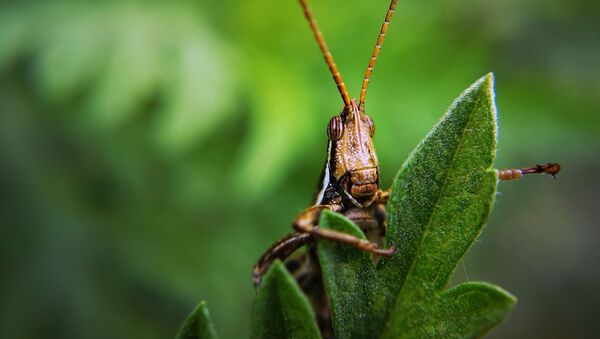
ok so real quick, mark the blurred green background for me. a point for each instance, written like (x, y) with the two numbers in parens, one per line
(150, 151)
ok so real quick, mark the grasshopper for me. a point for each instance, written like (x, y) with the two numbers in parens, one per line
(349, 185)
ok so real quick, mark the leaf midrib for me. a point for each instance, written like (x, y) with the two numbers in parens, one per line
(442, 190)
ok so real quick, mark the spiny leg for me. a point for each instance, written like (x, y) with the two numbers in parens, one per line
(280, 250)
(516, 173)
(307, 222)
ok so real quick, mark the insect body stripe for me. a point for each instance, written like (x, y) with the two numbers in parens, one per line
(325, 182)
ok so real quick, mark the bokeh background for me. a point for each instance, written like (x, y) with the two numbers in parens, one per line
(150, 151)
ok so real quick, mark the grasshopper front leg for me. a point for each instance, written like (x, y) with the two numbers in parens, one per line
(307, 228)
(307, 222)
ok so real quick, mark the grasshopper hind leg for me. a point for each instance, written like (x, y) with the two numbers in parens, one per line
(280, 250)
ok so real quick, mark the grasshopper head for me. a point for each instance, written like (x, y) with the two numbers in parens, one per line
(352, 161)
(351, 167)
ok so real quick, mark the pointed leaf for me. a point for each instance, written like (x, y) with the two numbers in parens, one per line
(441, 199)
(443, 193)
(439, 203)
(197, 325)
(281, 309)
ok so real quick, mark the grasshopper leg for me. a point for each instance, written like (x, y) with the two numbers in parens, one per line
(306, 227)
(516, 173)
(280, 250)
(307, 223)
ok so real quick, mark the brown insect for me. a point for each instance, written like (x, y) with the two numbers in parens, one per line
(349, 185)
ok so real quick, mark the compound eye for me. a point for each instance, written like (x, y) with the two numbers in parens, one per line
(370, 125)
(335, 128)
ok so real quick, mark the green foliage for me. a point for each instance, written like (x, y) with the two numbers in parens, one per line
(441, 199)
(439, 203)
(123, 125)
(128, 55)
(198, 325)
(281, 309)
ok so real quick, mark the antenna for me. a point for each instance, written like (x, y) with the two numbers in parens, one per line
(384, 27)
(337, 77)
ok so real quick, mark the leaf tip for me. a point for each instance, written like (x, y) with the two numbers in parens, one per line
(486, 84)
(509, 298)
(198, 324)
(489, 79)
(281, 309)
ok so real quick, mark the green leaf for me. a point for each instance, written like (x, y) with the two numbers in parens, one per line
(350, 278)
(471, 309)
(281, 309)
(197, 325)
(440, 201)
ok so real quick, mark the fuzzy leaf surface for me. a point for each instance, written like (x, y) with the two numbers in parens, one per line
(281, 309)
(440, 200)
(198, 325)
(350, 278)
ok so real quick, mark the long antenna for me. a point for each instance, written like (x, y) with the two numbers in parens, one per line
(337, 77)
(384, 27)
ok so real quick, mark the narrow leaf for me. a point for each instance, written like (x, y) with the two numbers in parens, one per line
(349, 277)
(281, 309)
(197, 325)
(440, 201)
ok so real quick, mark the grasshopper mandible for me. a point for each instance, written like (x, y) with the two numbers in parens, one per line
(349, 185)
